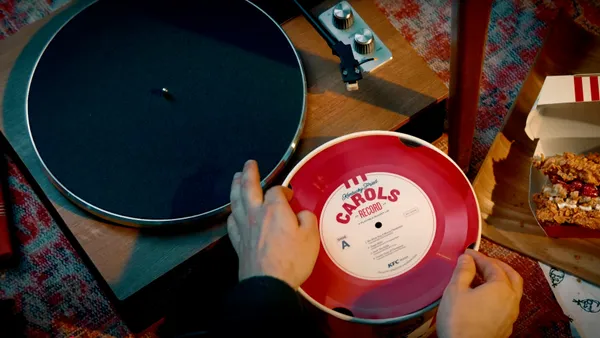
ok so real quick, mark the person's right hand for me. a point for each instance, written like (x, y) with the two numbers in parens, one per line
(269, 238)
(489, 310)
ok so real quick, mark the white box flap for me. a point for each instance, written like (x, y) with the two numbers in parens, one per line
(566, 108)
(571, 120)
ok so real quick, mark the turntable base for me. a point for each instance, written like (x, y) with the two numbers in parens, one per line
(130, 259)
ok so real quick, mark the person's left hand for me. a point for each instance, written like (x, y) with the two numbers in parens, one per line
(269, 238)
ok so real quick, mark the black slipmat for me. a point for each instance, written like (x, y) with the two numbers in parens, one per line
(120, 146)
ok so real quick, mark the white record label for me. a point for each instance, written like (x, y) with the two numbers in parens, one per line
(377, 226)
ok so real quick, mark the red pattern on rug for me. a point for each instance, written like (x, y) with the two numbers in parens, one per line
(51, 286)
(15, 14)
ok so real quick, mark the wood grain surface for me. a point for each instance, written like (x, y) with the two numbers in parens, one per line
(503, 180)
(128, 258)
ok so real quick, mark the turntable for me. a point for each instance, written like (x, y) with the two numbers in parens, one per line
(139, 112)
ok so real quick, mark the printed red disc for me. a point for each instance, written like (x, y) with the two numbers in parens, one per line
(394, 215)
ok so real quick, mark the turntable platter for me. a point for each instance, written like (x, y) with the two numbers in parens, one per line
(142, 111)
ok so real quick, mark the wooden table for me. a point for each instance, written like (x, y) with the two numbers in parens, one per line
(129, 259)
(502, 185)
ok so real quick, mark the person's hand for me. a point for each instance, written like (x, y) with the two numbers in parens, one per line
(269, 238)
(489, 310)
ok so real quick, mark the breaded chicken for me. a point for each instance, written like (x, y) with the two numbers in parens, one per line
(548, 211)
(569, 167)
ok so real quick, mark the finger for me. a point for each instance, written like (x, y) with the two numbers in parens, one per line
(252, 193)
(489, 267)
(276, 195)
(235, 197)
(288, 193)
(236, 188)
(515, 279)
(464, 272)
(234, 233)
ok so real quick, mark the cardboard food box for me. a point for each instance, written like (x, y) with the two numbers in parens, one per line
(565, 118)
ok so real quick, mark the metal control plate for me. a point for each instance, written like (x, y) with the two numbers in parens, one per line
(381, 53)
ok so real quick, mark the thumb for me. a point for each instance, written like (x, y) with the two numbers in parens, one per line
(464, 272)
(308, 225)
(288, 193)
(308, 221)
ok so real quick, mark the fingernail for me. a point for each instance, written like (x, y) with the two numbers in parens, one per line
(237, 175)
(247, 164)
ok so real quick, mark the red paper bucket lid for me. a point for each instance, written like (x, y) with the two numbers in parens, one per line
(394, 215)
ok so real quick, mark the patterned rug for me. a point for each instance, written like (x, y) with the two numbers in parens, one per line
(15, 14)
(56, 294)
(540, 315)
(50, 287)
(515, 35)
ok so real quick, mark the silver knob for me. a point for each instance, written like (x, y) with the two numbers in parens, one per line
(343, 17)
(364, 41)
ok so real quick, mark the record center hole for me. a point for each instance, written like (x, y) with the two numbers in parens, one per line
(378, 225)
(343, 311)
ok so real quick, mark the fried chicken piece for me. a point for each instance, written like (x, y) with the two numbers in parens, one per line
(548, 211)
(569, 167)
(594, 157)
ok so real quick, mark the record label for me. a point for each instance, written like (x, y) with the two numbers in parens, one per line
(377, 226)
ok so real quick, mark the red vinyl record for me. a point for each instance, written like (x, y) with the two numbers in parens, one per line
(394, 215)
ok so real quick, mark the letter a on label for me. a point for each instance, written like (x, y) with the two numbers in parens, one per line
(345, 245)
